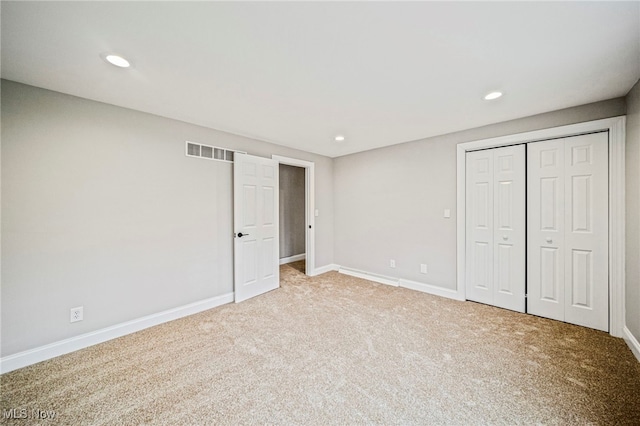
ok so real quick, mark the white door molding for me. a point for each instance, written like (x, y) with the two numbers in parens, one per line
(616, 128)
(309, 192)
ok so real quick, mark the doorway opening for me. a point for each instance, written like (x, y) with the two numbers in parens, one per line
(292, 232)
(297, 213)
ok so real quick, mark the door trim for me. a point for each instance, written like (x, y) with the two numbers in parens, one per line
(309, 195)
(616, 128)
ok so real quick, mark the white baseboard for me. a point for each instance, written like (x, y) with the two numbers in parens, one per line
(284, 260)
(431, 289)
(324, 269)
(369, 276)
(632, 342)
(400, 282)
(42, 353)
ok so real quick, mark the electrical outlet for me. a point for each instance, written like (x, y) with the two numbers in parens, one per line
(76, 314)
(392, 263)
(423, 268)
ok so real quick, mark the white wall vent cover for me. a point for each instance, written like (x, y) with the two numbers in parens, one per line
(209, 152)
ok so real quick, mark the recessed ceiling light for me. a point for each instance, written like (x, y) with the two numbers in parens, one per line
(493, 95)
(339, 138)
(118, 61)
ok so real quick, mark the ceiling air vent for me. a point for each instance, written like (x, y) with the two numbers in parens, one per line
(209, 152)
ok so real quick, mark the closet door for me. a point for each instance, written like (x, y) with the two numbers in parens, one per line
(479, 239)
(568, 230)
(509, 220)
(495, 242)
(545, 228)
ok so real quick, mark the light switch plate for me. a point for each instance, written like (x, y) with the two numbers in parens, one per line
(447, 213)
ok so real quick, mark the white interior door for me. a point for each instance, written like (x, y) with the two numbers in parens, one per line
(545, 227)
(509, 228)
(479, 252)
(256, 247)
(568, 230)
(495, 242)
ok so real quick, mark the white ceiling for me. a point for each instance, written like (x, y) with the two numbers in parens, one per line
(297, 74)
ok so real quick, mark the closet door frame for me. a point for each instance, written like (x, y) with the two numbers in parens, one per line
(616, 128)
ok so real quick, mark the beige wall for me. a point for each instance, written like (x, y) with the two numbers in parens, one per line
(292, 210)
(102, 209)
(389, 202)
(632, 185)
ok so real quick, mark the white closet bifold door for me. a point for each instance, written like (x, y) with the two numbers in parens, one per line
(495, 240)
(568, 230)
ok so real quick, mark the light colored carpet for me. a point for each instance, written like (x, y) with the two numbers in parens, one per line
(340, 350)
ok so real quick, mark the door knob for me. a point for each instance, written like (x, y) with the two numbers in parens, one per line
(240, 235)
(549, 240)
(504, 237)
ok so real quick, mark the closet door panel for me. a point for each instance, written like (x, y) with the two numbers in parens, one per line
(586, 233)
(495, 241)
(545, 230)
(479, 216)
(568, 231)
(509, 228)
